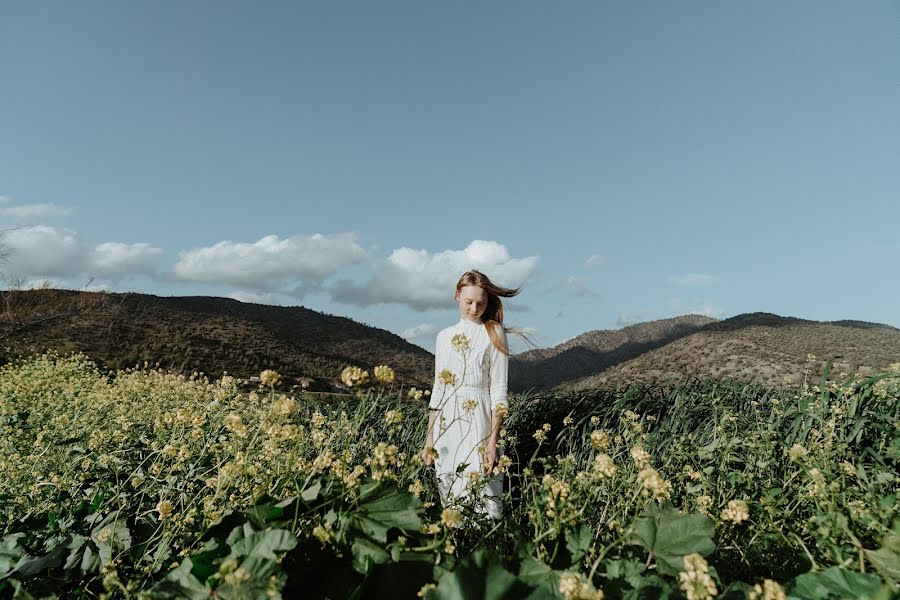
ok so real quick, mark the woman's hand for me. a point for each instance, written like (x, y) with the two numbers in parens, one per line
(428, 455)
(490, 457)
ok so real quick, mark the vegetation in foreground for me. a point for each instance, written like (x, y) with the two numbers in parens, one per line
(149, 484)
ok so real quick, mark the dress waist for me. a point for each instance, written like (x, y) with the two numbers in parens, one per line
(471, 388)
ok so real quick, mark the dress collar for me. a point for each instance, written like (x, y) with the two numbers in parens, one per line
(465, 321)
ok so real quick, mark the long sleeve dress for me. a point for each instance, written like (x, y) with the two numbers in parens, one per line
(470, 380)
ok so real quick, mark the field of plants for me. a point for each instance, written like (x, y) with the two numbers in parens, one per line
(147, 484)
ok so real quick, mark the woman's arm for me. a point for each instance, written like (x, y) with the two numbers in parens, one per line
(490, 450)
(428, 452)
(499, 403)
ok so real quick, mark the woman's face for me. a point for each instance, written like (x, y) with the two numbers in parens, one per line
(472, 302)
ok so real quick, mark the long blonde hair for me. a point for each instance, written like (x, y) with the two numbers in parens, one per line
(492, 317)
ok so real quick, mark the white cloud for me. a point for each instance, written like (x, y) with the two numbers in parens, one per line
(271, 262)
(693, 279)
(116, 260)
(422, 330)
(595, 260)
(46, 251)
(34, 212)
(422, 280)
(5, 199)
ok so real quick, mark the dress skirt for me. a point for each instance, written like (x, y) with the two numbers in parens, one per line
(461, 432)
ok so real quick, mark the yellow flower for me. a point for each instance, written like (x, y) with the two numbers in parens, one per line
(640, 456)
(737, 512)
(704, 503)
(354, 376)
(599, 440)
(653, 484)
(797, 453)
(451, 518)
(460, 342)
(269, 378)
(384, 374)
(415, 394)
(540, 435)
(604, 466)
(104, 535)
(695, 579)
(768, 590)
(416, 488)
(233, 423)
(568, 421)
(546, 427)
(431, 529)
(573, 586)
(285, 405)
(469, 405)
(324, 532)
(447, 378)
(393, 417)
(425, 589)
(164, 508)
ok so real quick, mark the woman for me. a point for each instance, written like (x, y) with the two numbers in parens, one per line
(468, 400)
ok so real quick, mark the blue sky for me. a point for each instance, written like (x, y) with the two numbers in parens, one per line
(627, 161)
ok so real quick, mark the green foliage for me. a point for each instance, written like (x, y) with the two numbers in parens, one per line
(669, 535)
(150, 483)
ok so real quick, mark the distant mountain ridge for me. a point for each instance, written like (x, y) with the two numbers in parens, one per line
(759, 347)
(213, 335)
(208, 334)
(595, 351)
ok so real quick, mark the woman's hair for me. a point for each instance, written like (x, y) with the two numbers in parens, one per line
(493, 312)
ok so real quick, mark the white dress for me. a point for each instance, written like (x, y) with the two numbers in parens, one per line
(465, 400)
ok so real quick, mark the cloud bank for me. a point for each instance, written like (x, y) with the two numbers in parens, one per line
(46, 251)
(422, 280)
(271, 263)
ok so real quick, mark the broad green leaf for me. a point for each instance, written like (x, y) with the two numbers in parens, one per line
(886, 559)
(207, 558)
(10, 552)
(110, 534)
(628, 569)
(180, 584)
(382, 507)
(366, 554)
(28, 566)
(312, 492)
(534, 572)
(628, 578)
(479, 575)
(670, 535)
(835, 582)
(578, 542)
(244, 541)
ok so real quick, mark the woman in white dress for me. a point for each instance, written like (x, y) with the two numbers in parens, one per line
(468, 400)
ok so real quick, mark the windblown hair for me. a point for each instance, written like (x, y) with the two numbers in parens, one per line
(492, 317)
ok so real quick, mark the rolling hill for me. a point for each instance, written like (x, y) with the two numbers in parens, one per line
(201, 333)
(213, 335)
(757, 347)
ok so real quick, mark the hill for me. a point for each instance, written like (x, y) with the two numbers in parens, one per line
(757, 347)
(203, 333)
(596, 351)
